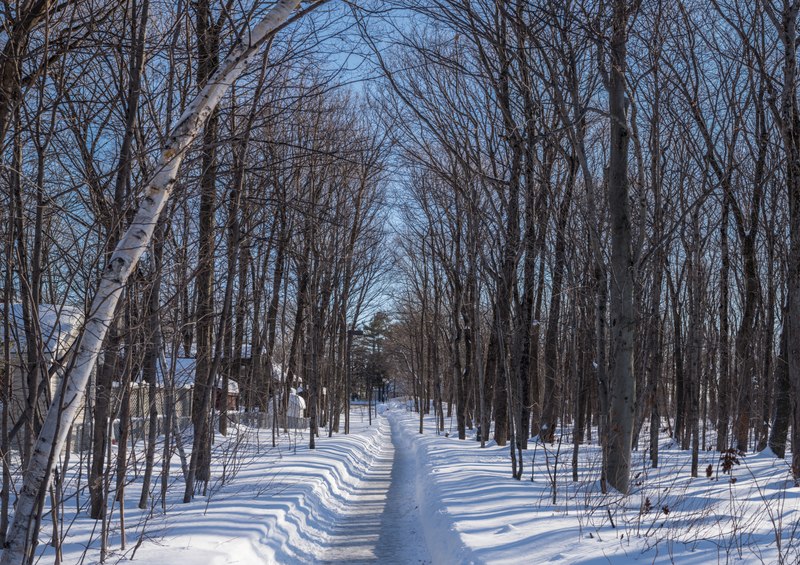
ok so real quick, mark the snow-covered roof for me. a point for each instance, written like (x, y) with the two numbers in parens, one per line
(185, 371)
(184, 374)
(279, 374)
(233, 386)
(59, 325)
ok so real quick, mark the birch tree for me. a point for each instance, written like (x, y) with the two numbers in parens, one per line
(21, 540)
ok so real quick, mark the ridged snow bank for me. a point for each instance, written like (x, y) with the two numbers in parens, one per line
(265, 504)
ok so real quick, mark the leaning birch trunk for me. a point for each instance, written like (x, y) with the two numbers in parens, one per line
(70, 395)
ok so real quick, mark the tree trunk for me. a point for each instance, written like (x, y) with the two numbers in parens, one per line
(783, 396)
(202, 405)
(790, 129)
(622, 383)
(724, 388)
(152, 355)
(552, 400)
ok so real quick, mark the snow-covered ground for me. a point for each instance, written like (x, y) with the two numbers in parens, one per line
(386, 494)
(275, 505)
(482, 515)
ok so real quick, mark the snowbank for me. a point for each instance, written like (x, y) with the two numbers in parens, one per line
(281, 505)
(270, 507)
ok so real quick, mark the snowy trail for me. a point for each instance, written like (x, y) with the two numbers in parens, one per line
(381, 523)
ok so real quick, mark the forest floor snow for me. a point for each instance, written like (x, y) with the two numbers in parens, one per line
(750, 515)
(386, 494)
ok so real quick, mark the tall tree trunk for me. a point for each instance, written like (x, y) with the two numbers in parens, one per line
(552, 400)
(767, 375)
(723, 387)
(694, 341)
(622, 383)
(108, 372)
(202, 395)
(790, 130)
(152, 355)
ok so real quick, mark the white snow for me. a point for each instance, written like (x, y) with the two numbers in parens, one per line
(390, 495)
(275, 505)
(233, 386)
(481, 515)
(59, 326)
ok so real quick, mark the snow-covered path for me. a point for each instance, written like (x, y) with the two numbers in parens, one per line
(354, 499)
(381, 523)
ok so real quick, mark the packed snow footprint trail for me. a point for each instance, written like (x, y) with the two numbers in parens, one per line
(381, 523)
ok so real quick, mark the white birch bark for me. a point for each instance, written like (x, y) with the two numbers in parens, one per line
(70, 395)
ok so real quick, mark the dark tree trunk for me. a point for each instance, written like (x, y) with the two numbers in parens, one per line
(622, 393)
(783, 396)
(202, 403)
